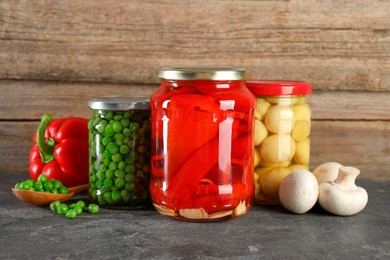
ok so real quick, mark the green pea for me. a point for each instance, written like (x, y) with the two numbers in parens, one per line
(109, 115)
(54, 205)
(106, 140)
(119, 173)
(17, 185)
(63, 190)
(38, 185)
(109, 174)
(126, 132)
(118, 136)
(29, 182)
(93, 178)
(117, 127)
(112, 148)
(125, 195)
(113, 166)
(115, 195)
(108, 131)
(118, 117)
(107, 182)
(106, 162)
(42, 177)
(100, 175)
(116, 157)
(62, 209)
(107, 154)
(120, 183)
(101, 127)
(71, 214)
(56, 184)
(80, 204)
(54, 191)
(125, 122)
(94, 195)
(124, 149)
(99, 184)
(133, 127)
(107, 197)
(78, 210)
(121, 165)
(47, 185)
(93, 208)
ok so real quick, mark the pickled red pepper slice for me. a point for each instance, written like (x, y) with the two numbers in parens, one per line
(193, 121)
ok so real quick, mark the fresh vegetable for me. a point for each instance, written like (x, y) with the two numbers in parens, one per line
(60, 150)
(93, 208)
(342, 197)
(43, 185)
(298, 191)
(120, 157)
(73, 210)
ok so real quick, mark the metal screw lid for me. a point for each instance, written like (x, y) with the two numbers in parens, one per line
(120, 103)
(228, 73)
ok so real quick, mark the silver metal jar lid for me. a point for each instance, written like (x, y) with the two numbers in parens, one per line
(202, 73)
(120, 103)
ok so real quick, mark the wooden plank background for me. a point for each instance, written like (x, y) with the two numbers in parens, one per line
(55, 55)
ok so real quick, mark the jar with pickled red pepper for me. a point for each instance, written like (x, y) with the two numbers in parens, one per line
(202, 144)
(119, 151)
(282, 133)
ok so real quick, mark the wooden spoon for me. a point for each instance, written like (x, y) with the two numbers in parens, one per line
(45, 198)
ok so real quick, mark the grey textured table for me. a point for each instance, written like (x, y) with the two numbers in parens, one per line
(267, 232)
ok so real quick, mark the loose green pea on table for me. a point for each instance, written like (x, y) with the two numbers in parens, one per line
(73, 210)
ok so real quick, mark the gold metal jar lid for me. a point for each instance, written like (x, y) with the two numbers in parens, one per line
(228, 73)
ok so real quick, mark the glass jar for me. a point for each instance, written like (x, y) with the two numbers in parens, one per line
(282, 133)
(202, 144)
(119, 151)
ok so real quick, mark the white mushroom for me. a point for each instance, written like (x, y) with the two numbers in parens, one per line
(341, 196)
(298, 191)
(327, 171)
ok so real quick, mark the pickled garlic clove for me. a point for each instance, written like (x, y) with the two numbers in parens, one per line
(261, 132)
(302, 152)
(256, 156)
(165, 211)
(302, 112)
(261, 108)
(198, 213)
(270, 182)
(285, 148)
(301, 130)
(240, 209)
(279, 119)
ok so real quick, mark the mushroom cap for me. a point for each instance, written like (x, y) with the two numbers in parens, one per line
(298, 191)
(327, 171)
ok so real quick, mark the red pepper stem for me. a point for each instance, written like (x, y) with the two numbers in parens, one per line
(46, 147)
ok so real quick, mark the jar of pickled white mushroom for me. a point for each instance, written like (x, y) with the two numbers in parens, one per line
(282, 133)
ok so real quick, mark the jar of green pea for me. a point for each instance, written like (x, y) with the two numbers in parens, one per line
(119, 151)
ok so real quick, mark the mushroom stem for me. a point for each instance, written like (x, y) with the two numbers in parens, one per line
(347, 177)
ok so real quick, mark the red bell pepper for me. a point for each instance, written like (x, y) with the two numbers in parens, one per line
(60, 150)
